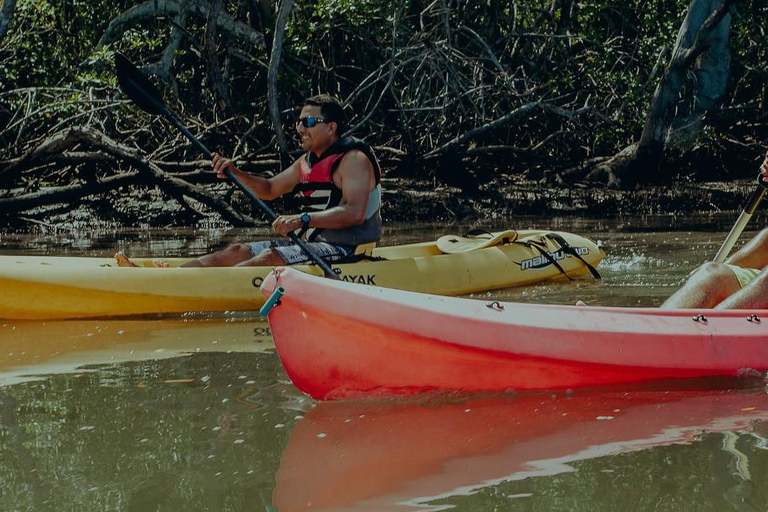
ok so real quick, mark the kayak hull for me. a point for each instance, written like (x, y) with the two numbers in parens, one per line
(375, 342)
(39, 287)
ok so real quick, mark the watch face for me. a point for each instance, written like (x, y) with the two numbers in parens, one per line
(305, 217)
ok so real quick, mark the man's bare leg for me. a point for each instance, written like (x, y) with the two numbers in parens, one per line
(124, 261)
(229, 257)
(754, 254)
(713, 283)
(266, 258)
(709, 285)
(233, 255)
(753, 295)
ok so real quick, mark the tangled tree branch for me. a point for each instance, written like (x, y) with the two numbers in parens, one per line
(170, 8)
(101, 145)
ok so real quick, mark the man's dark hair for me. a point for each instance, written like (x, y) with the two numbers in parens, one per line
(331, 109)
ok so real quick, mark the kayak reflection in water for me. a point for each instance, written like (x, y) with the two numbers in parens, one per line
(337, 180)
(739, 283)
(391, 456)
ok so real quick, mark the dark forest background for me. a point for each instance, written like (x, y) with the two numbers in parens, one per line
(473, 95)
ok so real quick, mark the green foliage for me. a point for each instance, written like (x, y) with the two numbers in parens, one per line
(419, 74)
(50, 40)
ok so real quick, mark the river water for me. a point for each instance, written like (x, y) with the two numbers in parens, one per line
(196, 413)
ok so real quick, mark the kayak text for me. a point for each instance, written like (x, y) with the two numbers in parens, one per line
(540, 262)
(361, 279)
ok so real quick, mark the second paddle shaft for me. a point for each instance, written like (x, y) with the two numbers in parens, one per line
(742, 221)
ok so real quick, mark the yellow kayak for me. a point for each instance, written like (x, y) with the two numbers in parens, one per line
(50, 287)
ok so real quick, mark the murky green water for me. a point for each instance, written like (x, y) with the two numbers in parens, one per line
(196, 413)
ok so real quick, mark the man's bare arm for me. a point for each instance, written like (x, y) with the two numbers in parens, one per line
(266, 189)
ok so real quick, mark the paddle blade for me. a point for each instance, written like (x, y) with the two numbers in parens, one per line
(137, 86)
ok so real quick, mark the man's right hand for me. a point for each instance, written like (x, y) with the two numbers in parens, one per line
(219, 164)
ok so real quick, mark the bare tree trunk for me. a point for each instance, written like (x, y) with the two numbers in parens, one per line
(707, 20)
(274, 64)
(705, 29)
(711, 69)
(6, 15)
(212, 62)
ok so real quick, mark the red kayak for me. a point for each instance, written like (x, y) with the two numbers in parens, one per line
(341, 340)
(389, 456)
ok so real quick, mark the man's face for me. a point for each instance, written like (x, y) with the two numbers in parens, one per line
(317, 137)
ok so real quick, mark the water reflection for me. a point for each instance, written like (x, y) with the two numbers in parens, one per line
(29, 348)
(163, 434)
(373, 456)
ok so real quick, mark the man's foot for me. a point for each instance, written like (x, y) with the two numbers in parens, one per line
(123, 261)
(160, 264)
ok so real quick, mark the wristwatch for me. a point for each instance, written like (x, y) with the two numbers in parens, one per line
(305, 218)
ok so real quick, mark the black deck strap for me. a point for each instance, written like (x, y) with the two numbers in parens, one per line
(568, 249)
(542, 248)
(354, 258)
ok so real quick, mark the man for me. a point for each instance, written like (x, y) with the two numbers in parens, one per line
(338, 181)
(739, 283)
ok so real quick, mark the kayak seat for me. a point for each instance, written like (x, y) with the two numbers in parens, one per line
(474, 240)
(362, 252)
(366, 249)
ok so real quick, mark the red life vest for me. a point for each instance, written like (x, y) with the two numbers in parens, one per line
(316, 191)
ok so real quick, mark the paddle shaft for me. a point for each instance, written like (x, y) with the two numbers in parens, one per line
(145, 96)
(256, 199)
(266, 209)
(742, 221)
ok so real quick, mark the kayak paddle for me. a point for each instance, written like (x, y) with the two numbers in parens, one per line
(145, 95)
(743, 219)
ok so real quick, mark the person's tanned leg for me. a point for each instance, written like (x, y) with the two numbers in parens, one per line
(709, 285)
(754, 254)
(229, 257)
(234, 255)
(713, 283)
(754, 295)
(267, 258)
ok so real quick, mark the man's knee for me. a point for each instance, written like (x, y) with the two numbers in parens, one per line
(267, 257)
(707, 286)
(712, 272)
(242, 251)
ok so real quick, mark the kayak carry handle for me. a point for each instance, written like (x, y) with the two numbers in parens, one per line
(272, 301)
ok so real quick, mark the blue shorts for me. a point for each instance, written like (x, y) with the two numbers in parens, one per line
(292, 254)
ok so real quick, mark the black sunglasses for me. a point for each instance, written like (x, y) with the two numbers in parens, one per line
(309, 121)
